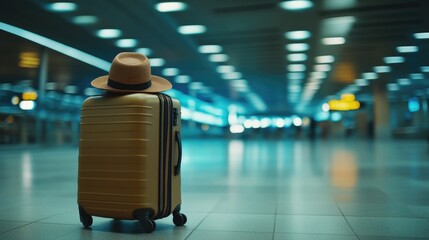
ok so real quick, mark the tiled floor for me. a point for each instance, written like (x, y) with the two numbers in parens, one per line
(239, 190)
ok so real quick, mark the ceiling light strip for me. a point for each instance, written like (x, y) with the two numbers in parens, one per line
(57, 46)
(75, 53)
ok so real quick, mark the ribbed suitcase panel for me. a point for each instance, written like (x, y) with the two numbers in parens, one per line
(103, 146)
(117, 164)
(123, 162)
(118, 156)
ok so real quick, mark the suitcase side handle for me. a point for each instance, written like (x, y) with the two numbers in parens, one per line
(179, 161)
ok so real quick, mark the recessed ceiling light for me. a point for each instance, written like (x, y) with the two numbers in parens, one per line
(192, 29)
(296, 5)
(392, 87)
(218, 57)
(312, 85)
(296, 67)
(424, 68)
(144, 51)
(295, 88)
(325, 59)
(71, 89)
(182, 79)
(421, 35)
(297, 57)
(361, 82)
(297, 35)
(416, 76)
(210, 49)
(156, 62)
(393, 59)
(62, 6)
(317, 75)
(126, 43)
(295, 76)
(242, 89)
(407, 49)
(404, 81)
(232, 75)
(238, 83)
(369, 75)
(225, 69)
(333, 41)
(91, 91)
(171, 6)
(109, 33)
(196, 85)
(85, 20)
(322, 68)
(297, 47)
(381, 69)
(170, 72)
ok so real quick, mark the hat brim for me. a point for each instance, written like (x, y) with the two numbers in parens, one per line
(159, 84)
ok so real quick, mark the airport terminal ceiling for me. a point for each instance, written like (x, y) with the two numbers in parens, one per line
(271, 59)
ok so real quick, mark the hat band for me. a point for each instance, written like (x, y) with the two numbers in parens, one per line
(125, 86)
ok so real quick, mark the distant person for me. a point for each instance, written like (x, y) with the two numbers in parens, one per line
(312, 129)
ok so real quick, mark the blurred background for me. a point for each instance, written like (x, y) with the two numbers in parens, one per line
(295, 113)
(299, 69)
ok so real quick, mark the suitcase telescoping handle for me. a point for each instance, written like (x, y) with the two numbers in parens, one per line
(179, 161)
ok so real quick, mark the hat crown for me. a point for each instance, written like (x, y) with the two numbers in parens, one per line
(130, 72)
(130, 68)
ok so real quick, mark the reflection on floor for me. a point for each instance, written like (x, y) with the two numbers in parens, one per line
(239, 190)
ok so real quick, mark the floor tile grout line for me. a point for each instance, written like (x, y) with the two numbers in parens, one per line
(275, 217)
(40, 220)
(208, 213)
(28, 223)
(347, 221)
(197, 226)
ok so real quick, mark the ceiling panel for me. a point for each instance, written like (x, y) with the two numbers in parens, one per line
(251, 32)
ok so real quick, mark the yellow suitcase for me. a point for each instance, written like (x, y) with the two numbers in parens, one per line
(129, 159)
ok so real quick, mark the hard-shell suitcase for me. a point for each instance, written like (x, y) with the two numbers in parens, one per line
(129, 159)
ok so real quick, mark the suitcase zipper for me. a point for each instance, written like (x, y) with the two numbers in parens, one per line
(165, 153)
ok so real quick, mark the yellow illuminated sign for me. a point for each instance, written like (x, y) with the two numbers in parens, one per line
(347, 103)
(348, 97)
(29, 60)
(29, 96)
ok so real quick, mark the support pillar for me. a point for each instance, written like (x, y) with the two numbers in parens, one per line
(425, 113)
(381, 111)
(24, 130)
(361, 119)
(43, 76)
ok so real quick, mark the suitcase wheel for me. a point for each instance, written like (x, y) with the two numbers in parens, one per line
(179, 219)
(148, 225)
(85, 219)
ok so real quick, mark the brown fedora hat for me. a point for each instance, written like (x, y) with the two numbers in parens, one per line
(130, 72)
